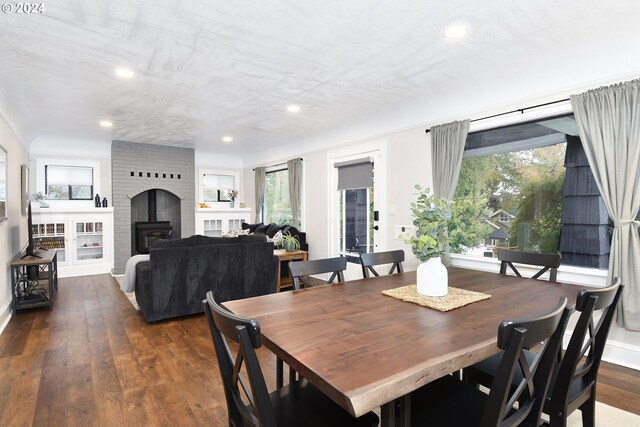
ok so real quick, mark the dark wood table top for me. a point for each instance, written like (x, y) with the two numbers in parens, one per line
(364, 349)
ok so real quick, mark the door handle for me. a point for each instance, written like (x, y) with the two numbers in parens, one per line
(375, 227)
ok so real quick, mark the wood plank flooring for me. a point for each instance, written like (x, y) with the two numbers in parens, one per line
(94, 361)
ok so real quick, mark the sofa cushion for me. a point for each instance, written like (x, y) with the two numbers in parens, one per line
(273, 229)
(251, 227)
(198, 240)
(262, 229)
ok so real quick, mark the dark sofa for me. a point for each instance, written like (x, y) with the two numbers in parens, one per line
(271, 229)
(180, 272)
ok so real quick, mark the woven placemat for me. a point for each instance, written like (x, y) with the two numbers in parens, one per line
(456, 297)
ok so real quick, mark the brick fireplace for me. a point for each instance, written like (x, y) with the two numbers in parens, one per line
(135, 170)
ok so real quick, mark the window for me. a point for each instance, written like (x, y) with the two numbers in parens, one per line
(277, 204)
(215, 187)
(528, 187)
(68, 182)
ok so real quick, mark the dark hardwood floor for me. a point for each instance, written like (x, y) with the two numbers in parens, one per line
(93, 360)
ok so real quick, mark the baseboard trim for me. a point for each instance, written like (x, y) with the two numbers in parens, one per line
(5, 316)
(623, 354)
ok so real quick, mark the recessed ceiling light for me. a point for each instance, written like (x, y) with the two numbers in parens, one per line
(106, 123)
(456, 31)
(124, 73)
(293, 108)
(227, 139)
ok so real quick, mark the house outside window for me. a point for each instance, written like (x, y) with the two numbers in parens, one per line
(277, 203)
(531, 194)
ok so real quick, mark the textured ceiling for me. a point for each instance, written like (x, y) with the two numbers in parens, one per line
(205, 69)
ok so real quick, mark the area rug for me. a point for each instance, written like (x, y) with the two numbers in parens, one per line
(606, 416)
(131, 296)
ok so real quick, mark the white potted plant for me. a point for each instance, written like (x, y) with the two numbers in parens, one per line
(430, 217)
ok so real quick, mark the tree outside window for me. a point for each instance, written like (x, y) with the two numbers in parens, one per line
(277, 204)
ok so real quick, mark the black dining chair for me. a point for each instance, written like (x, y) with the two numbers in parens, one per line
(449, 401)
(549, 262)
(371, 259)
(576, 372)
(301, 269)
(248, 401)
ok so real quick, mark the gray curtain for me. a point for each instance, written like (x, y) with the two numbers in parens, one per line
(608, 119)
(295, 188)
(260, 181)
(447, 147)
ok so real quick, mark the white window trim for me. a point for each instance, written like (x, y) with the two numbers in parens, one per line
(567, 274)
(41, 162)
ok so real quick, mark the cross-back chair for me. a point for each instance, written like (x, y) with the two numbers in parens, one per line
(248, 401)
(576, 370)
(371, 259)
(548, 262)
(301, 269)
(449, 401)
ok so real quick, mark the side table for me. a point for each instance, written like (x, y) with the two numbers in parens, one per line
(34, 280)
(284, 258)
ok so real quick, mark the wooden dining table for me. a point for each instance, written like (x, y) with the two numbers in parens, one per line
(366, 350)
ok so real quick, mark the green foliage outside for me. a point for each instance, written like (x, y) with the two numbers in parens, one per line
(537, 226)
(528, 183)
(277, 202)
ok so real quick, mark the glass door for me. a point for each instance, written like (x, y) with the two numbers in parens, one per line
(358, 185)
(50, 236)
(89, 241)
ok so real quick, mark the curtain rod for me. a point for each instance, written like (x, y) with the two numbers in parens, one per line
(519, 110)
(280, 164)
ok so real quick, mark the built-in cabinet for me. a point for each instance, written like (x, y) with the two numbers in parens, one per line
(216, 222)
(82, 238)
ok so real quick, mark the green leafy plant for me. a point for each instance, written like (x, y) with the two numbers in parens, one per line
(430, 216)
(290, 242)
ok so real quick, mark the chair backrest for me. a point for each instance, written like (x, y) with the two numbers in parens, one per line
(514, 336)
(247, 404)
(368, 260)
(336, 266)
(549, 262)
(582, 358)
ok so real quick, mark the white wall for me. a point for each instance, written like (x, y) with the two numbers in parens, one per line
(13, 231)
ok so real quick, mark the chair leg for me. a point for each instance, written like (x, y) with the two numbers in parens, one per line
(470, 376)
(588, 410)
(279, 372)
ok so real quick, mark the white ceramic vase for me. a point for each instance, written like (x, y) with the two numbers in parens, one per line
(432, 278)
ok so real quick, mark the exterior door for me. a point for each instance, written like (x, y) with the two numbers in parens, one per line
(358, 200)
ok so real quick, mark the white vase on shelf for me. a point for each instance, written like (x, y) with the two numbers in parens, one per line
(432, 278)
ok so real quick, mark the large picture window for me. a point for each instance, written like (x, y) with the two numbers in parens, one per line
(68, 182)
(277, 204)
(524, 187)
